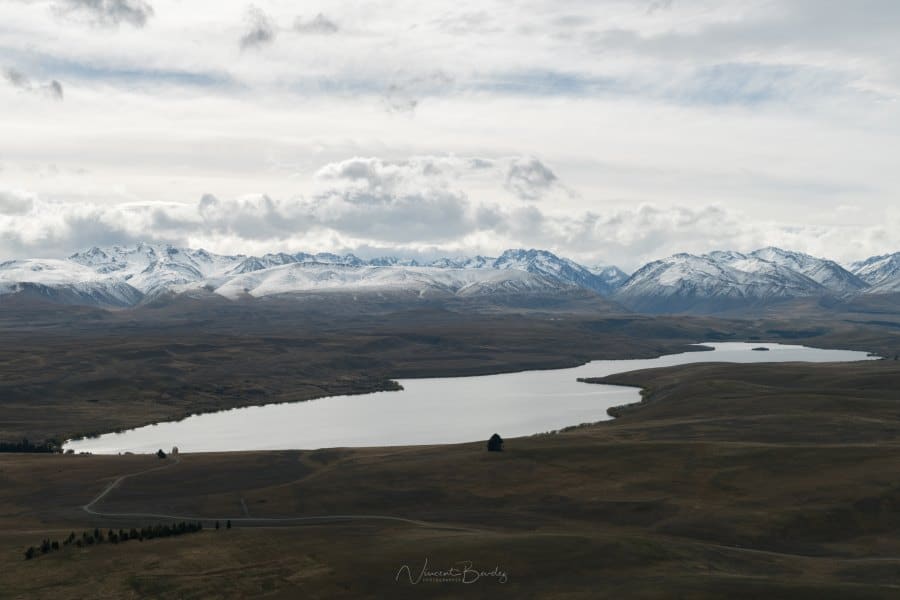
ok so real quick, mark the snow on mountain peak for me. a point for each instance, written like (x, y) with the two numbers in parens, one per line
(124, 275)
(882, 273)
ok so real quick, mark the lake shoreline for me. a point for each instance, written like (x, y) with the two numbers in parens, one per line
(510, 402)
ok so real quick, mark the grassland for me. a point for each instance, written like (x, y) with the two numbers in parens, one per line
(738, 482)
(68, 371)
(727, 481)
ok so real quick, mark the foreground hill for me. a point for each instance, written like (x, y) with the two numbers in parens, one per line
(763, 481)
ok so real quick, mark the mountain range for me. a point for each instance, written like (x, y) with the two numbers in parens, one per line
(126, 276)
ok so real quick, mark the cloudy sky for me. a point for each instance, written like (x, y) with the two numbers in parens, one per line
(610, 131)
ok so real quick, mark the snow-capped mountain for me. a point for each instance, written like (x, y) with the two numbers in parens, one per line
(711, 281)
(258, 263)
(65, 282)
(538, 262)
(725, 279)
(464, 262)
(421, 281)
(612, 276)
(121, 276)
(548, 264)
(156, 269)
(882, 273)
(828, 273)
(127, 275)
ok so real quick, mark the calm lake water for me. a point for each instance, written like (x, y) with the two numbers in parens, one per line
(432, 411)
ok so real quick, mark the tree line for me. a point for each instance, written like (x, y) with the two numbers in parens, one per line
(25, 445)
(113, 536)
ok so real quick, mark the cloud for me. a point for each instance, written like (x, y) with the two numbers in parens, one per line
(260, 29)
(107, 12)
(408, 206)
(415, 207)
(404, 94)
(657, 5)
(530, 179)
(53, 89)
(320, 24)
(17, 78)
(252, 217)
(15, 203)
(399, 201)
(53, 229)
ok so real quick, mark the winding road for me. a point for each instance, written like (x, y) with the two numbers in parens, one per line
(175, 459)
(323, 519)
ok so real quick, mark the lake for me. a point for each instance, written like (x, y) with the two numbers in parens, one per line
(441, 410)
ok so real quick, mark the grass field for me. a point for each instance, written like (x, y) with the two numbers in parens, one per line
(727, 481)
(67, 371)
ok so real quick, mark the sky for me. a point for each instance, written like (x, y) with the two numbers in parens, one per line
(607, 131)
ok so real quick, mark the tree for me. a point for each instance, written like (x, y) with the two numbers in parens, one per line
(495, 444)
(29, 554)
(160, 453)
(217, 525)
(228, 524)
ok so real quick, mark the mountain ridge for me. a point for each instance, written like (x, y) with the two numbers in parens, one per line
(124, 276)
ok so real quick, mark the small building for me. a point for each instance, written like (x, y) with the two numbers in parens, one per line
(174, 451)
(495, 444)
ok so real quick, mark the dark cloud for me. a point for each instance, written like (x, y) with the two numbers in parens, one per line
(107, 12)
(17, 79)
(260, 29)
(530, 179)
(55, 89)
(318, 25)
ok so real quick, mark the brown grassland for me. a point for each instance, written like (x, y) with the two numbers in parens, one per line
(727, 481)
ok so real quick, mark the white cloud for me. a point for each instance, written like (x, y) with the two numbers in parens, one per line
(15, 203)
(415, 207)
(659, 125)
